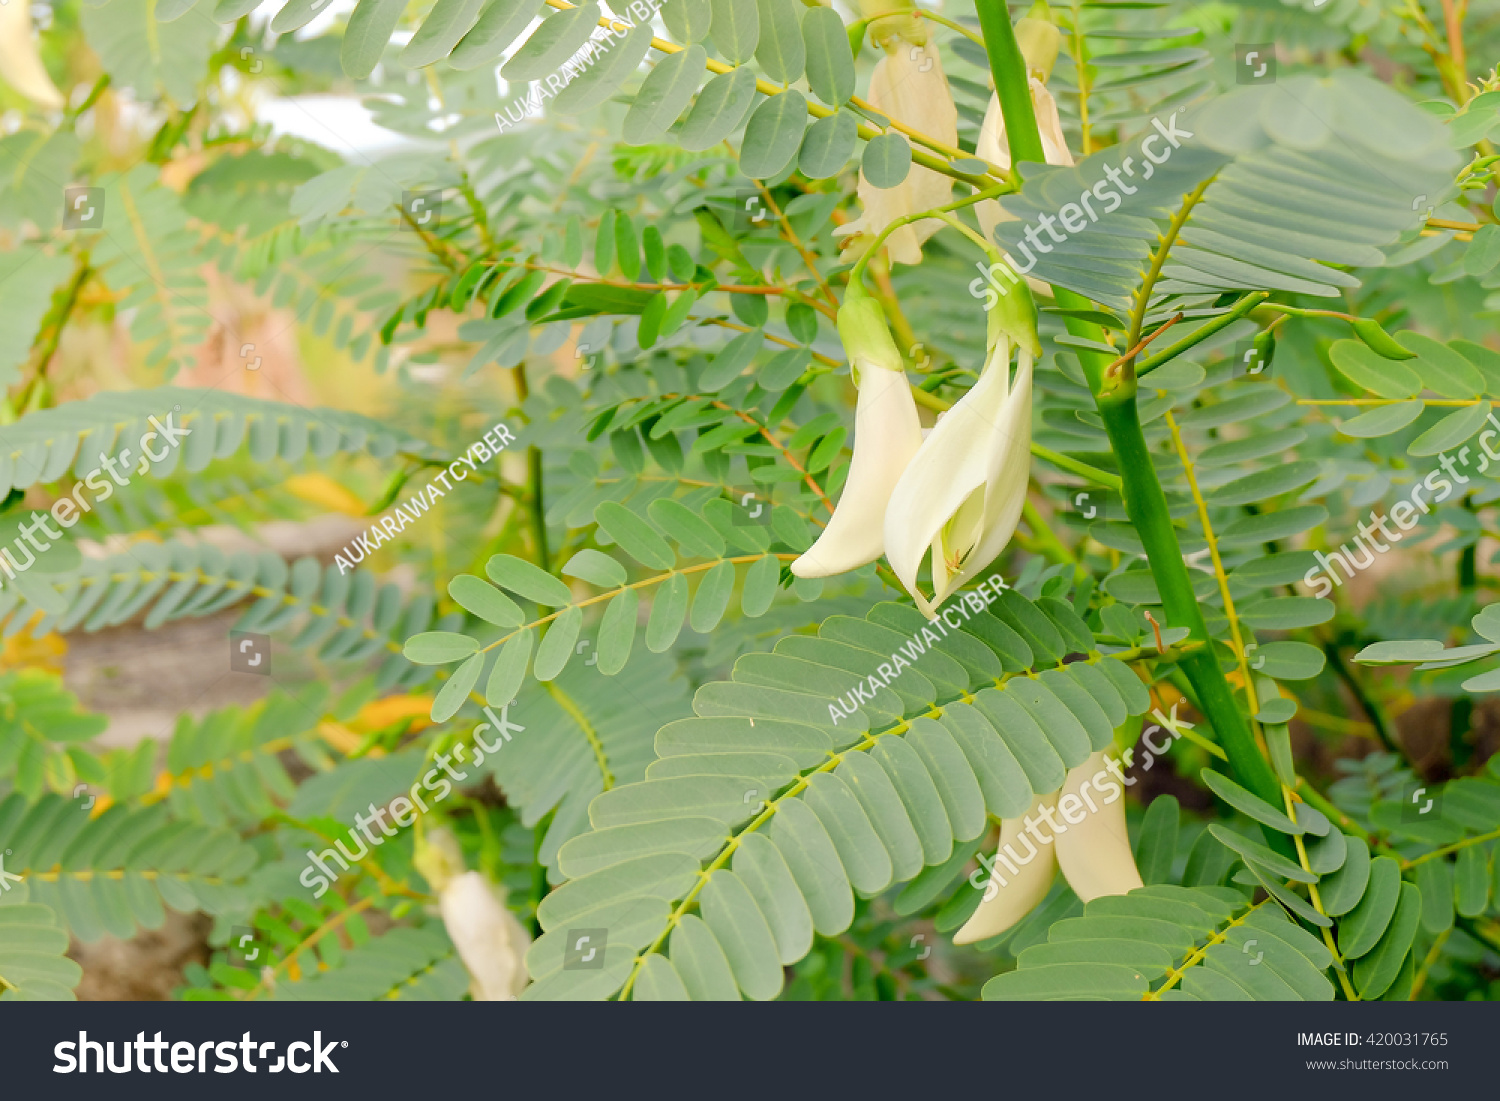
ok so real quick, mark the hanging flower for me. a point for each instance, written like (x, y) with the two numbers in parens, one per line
(992, 147)
(489, 939)
(1039, 40)
(1080, 828)
(960, 499)
(20, 63)
(908, 84)
(887, 434)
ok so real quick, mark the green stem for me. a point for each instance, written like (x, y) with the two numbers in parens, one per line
(1197, 336)
(856, 273)
(534, 500)
(1008, 68)
(1461, 710)
(1378, 718)
(1083, 470)
(1145, 503)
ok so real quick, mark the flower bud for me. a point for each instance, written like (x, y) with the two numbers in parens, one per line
(1014, 317)
(906, 27)
(1039, 40)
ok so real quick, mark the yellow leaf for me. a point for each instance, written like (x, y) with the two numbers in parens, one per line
(320, 489)
(380, 714)
(23, 651)
(339, 736)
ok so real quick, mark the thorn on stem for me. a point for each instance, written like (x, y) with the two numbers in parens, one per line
(1156, 630)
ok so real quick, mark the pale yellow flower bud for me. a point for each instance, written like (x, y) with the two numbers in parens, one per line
(909, 85)
(1040, 40)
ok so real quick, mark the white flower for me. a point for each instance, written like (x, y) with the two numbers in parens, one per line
(992, 147)
(1093, 852)
(20, 63)
(908, 85)
(961, 498)
(887, 434)
(489, 939)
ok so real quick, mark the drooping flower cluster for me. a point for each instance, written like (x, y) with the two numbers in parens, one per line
(953, 498)
(1090, 844)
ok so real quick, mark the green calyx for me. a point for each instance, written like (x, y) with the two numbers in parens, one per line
(907, 27)
(1039, 39)
(1014, 316)
(864, 332)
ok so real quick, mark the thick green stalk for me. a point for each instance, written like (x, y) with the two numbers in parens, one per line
(1009, 70)
(1146, 505)
(1115, 396)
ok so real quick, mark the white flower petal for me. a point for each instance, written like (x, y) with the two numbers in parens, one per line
(909, 85)
(983, 445)
(1010, 896)
(20, 63)
(992, 147)
(489, 939)
(887, 435)
(1095, 854)
(1008, 478)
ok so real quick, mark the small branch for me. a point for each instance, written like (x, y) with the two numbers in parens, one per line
(1446, 849)
(1197, 336)
(1114, 368)
(1083, 470)
(941, 163)
(1432, 957)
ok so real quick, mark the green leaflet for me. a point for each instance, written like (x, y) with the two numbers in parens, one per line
(663, 95)
(773, 135)
(33, 946)
(720, 108)
(552, 43)
(736, 29)
(366, 36)
(780, 51)
(830, 64)
(493, 32)
(445, 25)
